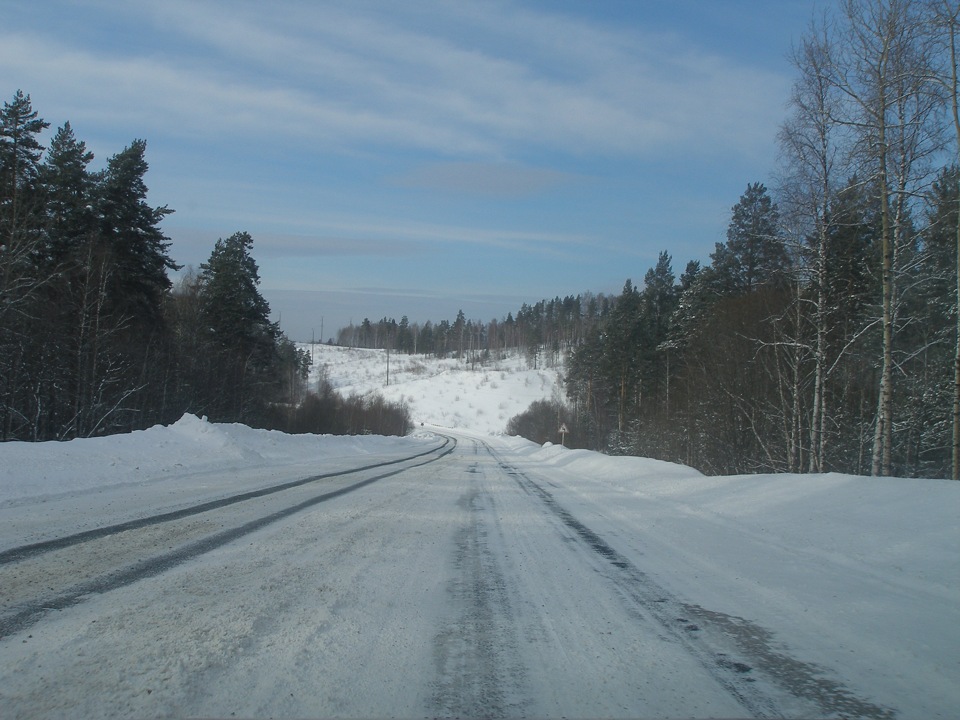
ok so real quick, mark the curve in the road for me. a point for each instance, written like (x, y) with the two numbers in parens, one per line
(29, 613)
(24, 551)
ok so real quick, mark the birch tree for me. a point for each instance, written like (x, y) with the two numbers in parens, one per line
(810, 146)
(880, 65)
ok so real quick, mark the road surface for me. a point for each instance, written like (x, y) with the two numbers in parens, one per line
(449, 582)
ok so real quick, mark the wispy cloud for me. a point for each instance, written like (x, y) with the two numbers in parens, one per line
(361, 237)
(462, 80)
(510, 146)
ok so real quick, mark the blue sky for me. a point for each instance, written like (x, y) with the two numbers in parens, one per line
(414, 158)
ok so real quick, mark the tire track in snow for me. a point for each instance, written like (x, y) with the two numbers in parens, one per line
(19, 615)
(476, 655)
(734, 651)
(24, 551)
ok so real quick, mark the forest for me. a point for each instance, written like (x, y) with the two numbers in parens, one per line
(822, 335)
(94, 337)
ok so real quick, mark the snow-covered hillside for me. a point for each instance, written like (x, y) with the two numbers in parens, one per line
(451, 393)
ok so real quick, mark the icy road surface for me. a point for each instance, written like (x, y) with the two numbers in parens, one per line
(449, 577)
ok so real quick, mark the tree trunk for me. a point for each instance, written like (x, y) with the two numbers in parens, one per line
(883, 435)
(952, 25)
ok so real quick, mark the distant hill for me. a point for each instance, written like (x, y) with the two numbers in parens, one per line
(451, 393)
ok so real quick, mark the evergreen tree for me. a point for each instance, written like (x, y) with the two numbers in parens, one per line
(128, 288)
(242, 340)
(754, 254)
(404, 336)
(621, 358)
(20, 153)
(131, 230)
(20, 277)
(459, 330)
(70, 251)
(588, 389)
(658, 303)
(934, 312)
(659, 296)
(235, 311)
(68, 196)
(693, 299)
(425, 339)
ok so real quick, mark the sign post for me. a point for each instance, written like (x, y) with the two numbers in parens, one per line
(563, 432)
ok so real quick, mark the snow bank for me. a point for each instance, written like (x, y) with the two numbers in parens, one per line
(907, 530)
(612, 469)
(191, 445)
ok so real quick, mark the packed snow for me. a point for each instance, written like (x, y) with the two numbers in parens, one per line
(857, 577)
(842, 566)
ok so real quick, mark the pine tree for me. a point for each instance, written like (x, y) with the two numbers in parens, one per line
(20, 277)
(242, 339)
(622, 339)
(68, 252)
(20, 153)
(459, 329)
(405, 340)
(935, 311)
(69, 190)
(658, 303)
(754, 254)
(131, 230)
(659, 296)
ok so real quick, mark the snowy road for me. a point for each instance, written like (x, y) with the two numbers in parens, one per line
(464, 581)
(55, 573)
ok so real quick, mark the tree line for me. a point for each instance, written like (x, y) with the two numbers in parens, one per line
(545, 332)
(823, 334)
(94, 337)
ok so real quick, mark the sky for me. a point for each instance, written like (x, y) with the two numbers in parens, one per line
(417, 158)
